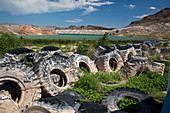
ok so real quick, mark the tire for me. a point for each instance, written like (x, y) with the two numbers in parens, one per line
(126, 54)
(138, 48)
(20, 82)
(146, 102)
(136, 64)
(158, 67)
(49, 48)
(19, 54)
(7, 105)
(98, 50)
(84, 61)
(55, 73)
(49, 105)
(165, 52)
(48, 51)
(146, 46)
(18, 51)
(150, 46)
(108, 61)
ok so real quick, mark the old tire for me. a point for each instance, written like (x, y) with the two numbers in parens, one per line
(136, 64)
(138, 48)
(84, 61)
(55, 73)
(98, 50)
(19, 54)
(48, 51)
(49, 105)
(7, 105)
(21, 83)
(110, 62)
(146, 102)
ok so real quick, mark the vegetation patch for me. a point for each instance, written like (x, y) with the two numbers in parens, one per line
(129, 105)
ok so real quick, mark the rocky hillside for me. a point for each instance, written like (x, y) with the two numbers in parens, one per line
(89, 27)
(152, 26)
(25, 30)
(82, 30)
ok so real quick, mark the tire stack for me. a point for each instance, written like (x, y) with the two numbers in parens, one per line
(32, 89)
(112, 59)
(19, 83)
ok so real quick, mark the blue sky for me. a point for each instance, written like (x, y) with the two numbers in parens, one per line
(63, 13)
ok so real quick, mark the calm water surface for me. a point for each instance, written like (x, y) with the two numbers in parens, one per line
(78, 37)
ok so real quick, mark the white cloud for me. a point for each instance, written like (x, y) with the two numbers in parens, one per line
(142, 16)
(131, 6)
(89, 9)
(152, 7)
(22, 7)
(74, 21)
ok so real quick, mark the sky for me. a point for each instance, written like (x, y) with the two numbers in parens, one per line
(63, 13)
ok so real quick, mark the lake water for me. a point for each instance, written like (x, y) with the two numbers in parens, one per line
(78, 37)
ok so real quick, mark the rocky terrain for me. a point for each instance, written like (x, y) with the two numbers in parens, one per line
(152, 26)
(25, 30)
(83, 30)
(89, 27)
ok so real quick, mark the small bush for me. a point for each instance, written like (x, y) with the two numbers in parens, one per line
(88, 82)
(165, 44)
(129, 105)
(9, 42)
(109, 78)
(150, 81)
(104, 40)
(152, 59)
(84, 47)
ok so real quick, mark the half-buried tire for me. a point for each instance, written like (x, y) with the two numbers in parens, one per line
(56, 73)
(83, 61)
(146, 102)
(19, 83)
(110, 62)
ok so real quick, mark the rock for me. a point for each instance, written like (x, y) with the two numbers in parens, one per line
(32, 30)
(88, 107)
(26, 30)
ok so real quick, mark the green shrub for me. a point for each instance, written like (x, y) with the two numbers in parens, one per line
(165, 44)
(9, 41)
(104, 40)
(88, 82)
(109, 78)
(128, 105)
(154, 58)
(150, 81)
(167, 58)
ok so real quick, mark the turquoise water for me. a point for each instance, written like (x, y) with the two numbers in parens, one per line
(78, 37)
